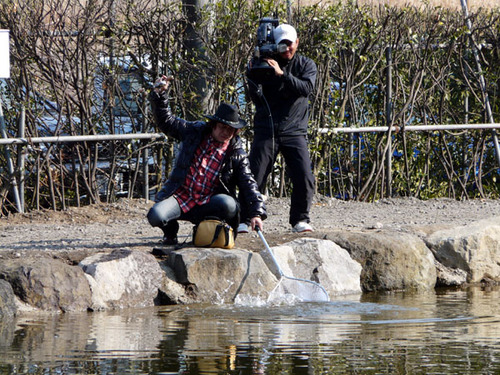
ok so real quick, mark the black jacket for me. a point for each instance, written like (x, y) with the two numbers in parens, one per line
(235, 172)
(286, 97)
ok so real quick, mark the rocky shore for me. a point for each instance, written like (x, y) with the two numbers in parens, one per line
(106, 256)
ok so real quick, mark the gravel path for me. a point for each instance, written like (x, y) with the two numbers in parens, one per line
(77, 232)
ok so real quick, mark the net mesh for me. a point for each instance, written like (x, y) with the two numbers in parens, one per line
(291, 289)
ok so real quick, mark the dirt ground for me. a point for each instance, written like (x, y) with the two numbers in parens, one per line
(76, 233)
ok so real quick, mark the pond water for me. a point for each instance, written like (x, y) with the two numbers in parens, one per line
(443, 332)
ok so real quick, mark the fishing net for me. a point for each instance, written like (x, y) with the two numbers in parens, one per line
(291, 289)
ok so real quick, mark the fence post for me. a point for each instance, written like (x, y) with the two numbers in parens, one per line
(21, 156)
(145, 172)
(350, 170)
(10, 165)
(388, 116)
(145, 161)
(358, 169)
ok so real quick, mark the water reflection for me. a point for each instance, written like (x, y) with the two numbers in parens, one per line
(444, 332)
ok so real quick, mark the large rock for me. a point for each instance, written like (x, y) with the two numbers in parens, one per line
(122, 278)
(47, 284)
(449, 277)
(390, 260)
(321, 261)
(221, 276)
(171, 292)
(8, 306)
(474, 248)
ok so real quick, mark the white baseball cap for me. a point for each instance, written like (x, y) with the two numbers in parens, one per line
(284, 32)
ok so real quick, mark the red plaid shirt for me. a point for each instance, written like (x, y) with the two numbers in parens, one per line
(203, 175)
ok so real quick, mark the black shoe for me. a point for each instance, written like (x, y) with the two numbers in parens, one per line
(170, 240)
(170, 233)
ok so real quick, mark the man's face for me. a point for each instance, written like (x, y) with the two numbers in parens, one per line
(290, 50)
(222, 132)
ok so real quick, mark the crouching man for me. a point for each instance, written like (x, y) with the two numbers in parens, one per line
(209, 169)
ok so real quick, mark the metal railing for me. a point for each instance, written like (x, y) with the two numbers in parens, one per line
(80, 138)
(155, 136)
(395, 128)
(18, 196)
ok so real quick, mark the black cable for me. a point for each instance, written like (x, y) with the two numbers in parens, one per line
(260, 94)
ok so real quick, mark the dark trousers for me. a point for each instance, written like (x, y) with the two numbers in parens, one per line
(296, 154)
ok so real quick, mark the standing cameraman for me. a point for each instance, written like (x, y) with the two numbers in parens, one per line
(280, 123)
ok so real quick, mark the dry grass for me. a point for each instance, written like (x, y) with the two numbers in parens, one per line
(450, 4)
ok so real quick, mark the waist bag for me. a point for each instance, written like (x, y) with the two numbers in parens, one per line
(213, 233)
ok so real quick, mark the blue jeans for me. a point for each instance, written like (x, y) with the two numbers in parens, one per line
(165, 214)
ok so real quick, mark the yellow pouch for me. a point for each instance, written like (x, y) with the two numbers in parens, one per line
(213, 233)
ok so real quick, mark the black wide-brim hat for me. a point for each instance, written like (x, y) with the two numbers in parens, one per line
(228, 114)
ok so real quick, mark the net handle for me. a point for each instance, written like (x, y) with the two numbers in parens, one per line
(259, 232)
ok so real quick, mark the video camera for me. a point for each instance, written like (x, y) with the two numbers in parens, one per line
(266, 48)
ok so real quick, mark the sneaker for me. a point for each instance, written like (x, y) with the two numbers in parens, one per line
(302, 227)
(243, 228)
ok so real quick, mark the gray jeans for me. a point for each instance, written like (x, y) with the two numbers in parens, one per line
(165, 214)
